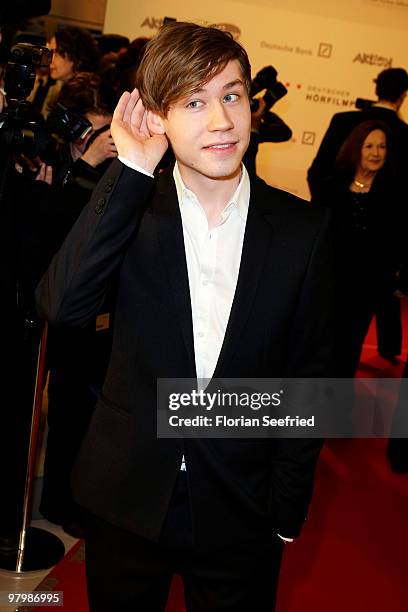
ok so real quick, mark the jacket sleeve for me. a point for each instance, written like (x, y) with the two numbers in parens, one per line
(74, 287)
(310, 356)
(324, 162)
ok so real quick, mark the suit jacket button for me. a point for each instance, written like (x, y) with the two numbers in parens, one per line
(108, 188)
(100, 205)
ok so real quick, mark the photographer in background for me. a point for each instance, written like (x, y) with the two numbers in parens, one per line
(391, 90)
(74, 149)
(266, 126)
(82, 160)
(74, 50)
(76, 359)
(40, 212)
(19, 342)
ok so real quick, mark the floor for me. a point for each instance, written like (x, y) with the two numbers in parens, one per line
(11, 582)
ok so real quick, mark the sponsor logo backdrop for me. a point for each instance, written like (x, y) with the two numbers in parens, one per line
(325, 63)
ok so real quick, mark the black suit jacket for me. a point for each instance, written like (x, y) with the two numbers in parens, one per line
(278, 326)
(341, 125)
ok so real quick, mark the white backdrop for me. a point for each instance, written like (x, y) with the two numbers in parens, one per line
(325, 62)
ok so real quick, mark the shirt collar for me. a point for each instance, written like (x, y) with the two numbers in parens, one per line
(384, 105)
(239, 201)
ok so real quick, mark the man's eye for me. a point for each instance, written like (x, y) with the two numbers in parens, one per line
(231, 98)
(194, 104)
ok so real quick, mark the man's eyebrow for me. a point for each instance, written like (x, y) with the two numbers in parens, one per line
(233, 84)
(226, 86)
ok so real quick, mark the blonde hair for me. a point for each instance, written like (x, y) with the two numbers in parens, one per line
(181, 58)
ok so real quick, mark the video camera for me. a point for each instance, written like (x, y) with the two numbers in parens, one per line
(23, 131)
(267, 79)
(67, 125)
(363, 104)
(19, 80)
(272, 128)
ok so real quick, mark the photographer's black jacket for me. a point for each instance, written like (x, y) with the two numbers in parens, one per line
(18, 10)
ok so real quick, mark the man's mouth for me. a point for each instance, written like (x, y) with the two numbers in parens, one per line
(220, 146)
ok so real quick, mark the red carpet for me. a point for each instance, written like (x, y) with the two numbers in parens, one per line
(353, 553)
(68, 576)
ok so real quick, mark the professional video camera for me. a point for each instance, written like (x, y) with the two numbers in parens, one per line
(23, 131)
(267, 79)
(272, 128)
(65, 125)
(21, 67)
(21, 128)
(363, 104)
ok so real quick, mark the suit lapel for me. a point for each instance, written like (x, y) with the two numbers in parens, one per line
(257, 243)
(167, 216)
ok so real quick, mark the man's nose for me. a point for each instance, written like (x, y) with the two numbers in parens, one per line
(219, 118)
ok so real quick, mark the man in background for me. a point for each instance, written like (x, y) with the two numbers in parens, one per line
(391, 90)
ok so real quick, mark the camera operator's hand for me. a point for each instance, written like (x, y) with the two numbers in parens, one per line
(102, 148)
(256, 116)
(1, 101)
(45, 174)
(135, 140)
(27, 166)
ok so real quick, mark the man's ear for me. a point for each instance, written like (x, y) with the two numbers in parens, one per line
(155, 123)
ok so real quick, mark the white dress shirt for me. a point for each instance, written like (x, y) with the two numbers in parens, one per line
(213, 260)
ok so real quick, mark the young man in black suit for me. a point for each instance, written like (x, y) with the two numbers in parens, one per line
(218, 275)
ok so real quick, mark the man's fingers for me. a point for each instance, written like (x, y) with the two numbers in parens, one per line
(121, 106)
(40, 176)
(130, 106)
(136, 118)
(144, 128)
(45, 174)
(48, 175)
(30, 164)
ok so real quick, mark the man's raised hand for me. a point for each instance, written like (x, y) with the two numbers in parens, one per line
(131, 135)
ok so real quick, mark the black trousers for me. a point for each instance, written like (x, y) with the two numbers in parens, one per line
(355, 311)
(389, 326)
(397, 448)
(77, 361)
(131, 573)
